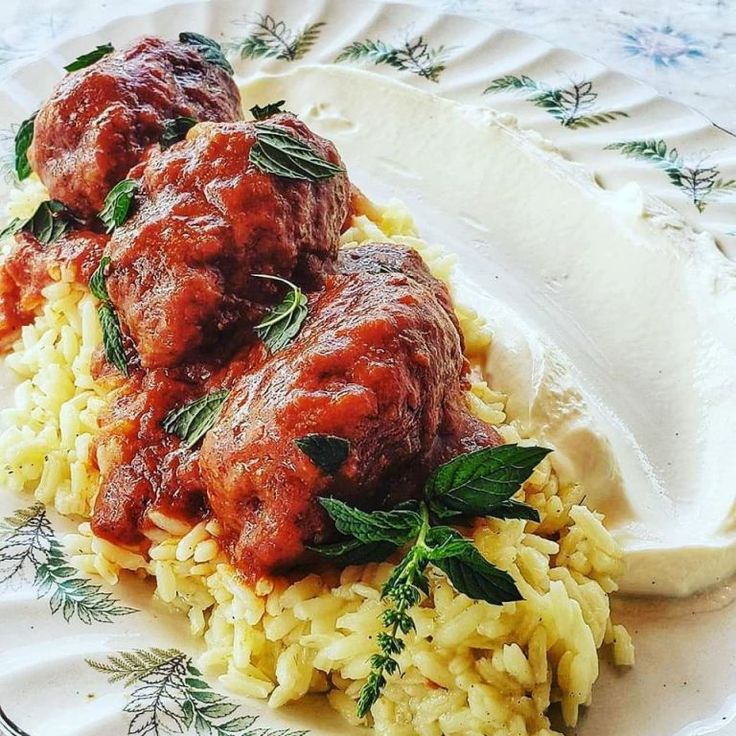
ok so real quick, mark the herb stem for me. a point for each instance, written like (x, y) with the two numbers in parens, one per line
(404, 591)
(479, 483)
(424, 528)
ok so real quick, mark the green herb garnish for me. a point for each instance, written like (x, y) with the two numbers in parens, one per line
(97, 283)
(117, 204)
(13, 227)
(23, 140)
(112, 334)
(176, 129)
(282, 324)
(276, 151)
(209, 48)
(355, 552)
(478, 483)
(49, 222)
(326, 451)
(85, 60)
(267, 111)
(193, 420)
(112, 337)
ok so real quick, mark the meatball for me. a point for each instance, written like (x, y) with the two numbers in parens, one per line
(183, 266)
(379, 363)
(101, 121)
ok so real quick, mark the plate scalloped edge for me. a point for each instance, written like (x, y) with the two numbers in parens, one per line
(619, 128)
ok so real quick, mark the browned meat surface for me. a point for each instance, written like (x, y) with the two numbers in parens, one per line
(206, 221)
(100, 121)
(379, 362)
(30, 266)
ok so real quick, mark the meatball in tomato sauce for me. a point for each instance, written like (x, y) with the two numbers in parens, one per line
(183, 267)
(378, 363)
(101, 121)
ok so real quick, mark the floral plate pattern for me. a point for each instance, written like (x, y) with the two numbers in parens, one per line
(113, 661)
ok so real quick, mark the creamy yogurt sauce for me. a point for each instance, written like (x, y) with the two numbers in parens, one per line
(614, 323)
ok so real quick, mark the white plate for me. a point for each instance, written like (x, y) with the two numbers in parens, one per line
(686, 672)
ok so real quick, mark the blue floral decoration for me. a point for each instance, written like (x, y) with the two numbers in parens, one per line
(664, 45)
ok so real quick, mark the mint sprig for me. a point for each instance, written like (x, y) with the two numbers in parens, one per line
(404, 590)
(97, 284)
(209, 49)
(282, 323)
(112, 333)
(266, 111)
(277, 151)
(398, 527)
(194, 419)
(478, 483)
(85, 60)
(118, 204)
(176, 129)
(23, 140)
(112, 337)
(48, 223)
(326, 451)
(355, 552)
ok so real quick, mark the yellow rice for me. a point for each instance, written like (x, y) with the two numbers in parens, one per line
(470, 668)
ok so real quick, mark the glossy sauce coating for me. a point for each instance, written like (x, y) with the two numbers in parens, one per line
(378, 363)
(30, 266)
(146, 472)
(101, 121)
(182, 271)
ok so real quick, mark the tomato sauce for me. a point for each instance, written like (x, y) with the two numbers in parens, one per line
(31, 266)
(378, 361)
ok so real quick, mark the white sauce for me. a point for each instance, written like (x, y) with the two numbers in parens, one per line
(614, 323)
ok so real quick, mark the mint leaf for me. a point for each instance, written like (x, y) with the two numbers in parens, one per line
(477, 482)
(469, 572)
(397, 527)
(118, 203)
(112, 338)
(355, 552)
(85, 60)
(49, 222)
(193, 420)
(261, 113)
(209, 49)
(176, 130)
(326, 451)
(276, 151)
(97, 281)
(23, 140)
(444, 541)
(282, 324)
(515, 510)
